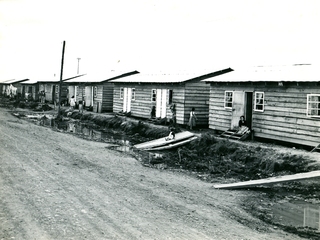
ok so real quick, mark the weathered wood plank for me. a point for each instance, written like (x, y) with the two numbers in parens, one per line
(272, 180)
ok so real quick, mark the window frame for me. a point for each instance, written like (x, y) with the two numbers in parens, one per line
(121, 92)
(228, 102)
(259, 104)
(95, 91)
(309, 113)
(153, 95)
(133, 94)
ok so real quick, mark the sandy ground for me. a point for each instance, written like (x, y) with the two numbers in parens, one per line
(56, 186)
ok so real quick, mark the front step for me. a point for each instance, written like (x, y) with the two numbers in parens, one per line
(233, 134)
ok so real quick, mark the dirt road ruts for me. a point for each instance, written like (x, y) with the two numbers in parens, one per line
(57, 186)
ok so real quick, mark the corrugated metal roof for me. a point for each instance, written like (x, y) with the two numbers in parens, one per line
(165, 77)
(98, 78)
(286, 73)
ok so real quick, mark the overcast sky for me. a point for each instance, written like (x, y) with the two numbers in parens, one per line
(154, 35)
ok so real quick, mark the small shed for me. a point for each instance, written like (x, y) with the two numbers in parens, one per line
(95, 89)
(280, 103)
(162, 95)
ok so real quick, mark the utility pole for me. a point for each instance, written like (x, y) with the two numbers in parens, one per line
(78, 65)
(61, 74)
(82, 89)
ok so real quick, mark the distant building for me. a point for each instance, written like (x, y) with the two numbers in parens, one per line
(95, 89)
(142, 94)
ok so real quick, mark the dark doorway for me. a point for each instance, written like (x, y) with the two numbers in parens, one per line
(249, 108)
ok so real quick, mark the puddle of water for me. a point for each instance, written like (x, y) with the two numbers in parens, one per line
(40, 119)
(120, 142)
(297, 214)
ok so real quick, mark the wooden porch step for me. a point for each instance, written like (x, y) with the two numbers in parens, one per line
(233, 134)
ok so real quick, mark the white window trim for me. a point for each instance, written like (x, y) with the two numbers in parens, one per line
(255, 102)
(224, 102)
(121, 91)
(308, 101)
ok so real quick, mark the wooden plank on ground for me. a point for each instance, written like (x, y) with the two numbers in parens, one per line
(272, 180)
(162, 141)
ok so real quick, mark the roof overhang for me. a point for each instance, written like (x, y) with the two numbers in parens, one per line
(292, 73)
(168, 78)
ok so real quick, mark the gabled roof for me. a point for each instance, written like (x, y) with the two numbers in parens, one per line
(12, 81)
(54, 79)
(170, 78)
(102, 77)
(4, 81)
(29, 82)
(285, 73)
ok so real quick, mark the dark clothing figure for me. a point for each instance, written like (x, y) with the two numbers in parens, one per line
(81, 103)
(172, 135)
(242, 122)
(242, 126)
(173, 111)
(153, 112)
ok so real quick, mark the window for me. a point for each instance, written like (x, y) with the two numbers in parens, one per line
(228, 99)
(121, 93)
(153, 95)
(95, 91)
(133, 94)
(259, 101)
(313, 105)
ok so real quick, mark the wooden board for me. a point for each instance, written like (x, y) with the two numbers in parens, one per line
(173, 145)
(162, 141)
(272, 180)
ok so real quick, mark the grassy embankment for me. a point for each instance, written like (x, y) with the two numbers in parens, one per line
(209, 154)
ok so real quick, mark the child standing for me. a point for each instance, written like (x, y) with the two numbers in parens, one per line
(192, 119)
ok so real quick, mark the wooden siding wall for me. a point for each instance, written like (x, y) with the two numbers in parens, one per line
(107, 97)
(81, 92)
(97, 99)
(179, 98)
(48, 91)
(48, 87)
(197, 96)
(142, 105)
(284, 117)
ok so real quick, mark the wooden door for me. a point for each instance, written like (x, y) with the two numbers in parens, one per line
(88, 96)
(238, 108)
(53, 96)
(161, 103)
(127, 95)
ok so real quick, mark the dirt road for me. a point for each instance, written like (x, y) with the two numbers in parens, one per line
(57, 186)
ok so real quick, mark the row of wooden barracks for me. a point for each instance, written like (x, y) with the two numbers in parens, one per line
(279, 103)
